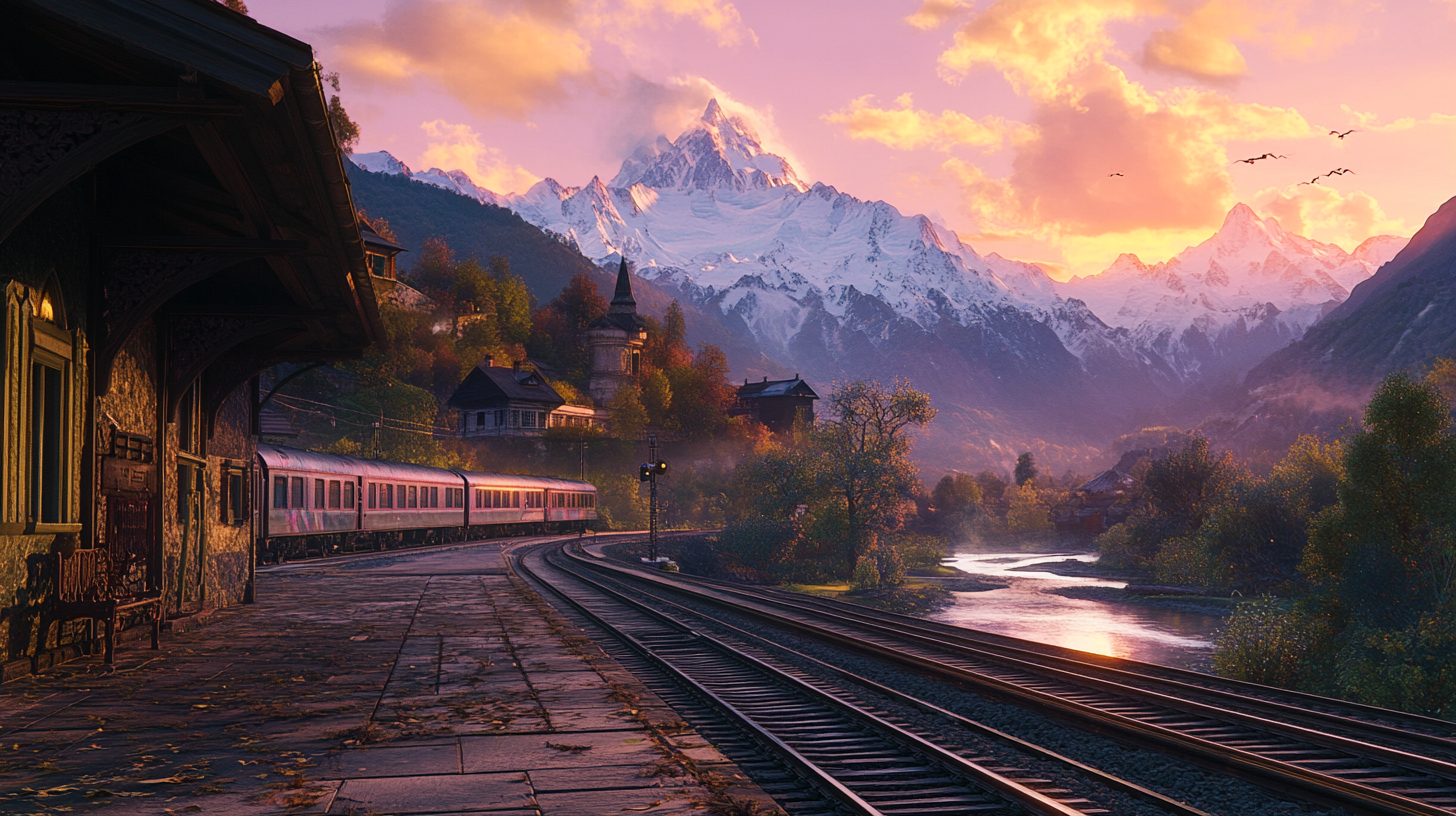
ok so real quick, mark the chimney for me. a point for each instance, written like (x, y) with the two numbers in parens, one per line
(745, 381)
(765, 378)
(516, 366)
(489, 361)
(796, 375)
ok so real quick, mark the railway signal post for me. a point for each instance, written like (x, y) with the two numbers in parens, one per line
(648, 472)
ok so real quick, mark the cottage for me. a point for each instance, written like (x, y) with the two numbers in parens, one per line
(174, 219)
(1099, 503)
(513, 400)
(778, 404)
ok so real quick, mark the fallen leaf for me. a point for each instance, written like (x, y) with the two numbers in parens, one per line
(359, 637)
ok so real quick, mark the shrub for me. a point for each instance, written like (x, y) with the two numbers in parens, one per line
(1266, 643)
(866, 575)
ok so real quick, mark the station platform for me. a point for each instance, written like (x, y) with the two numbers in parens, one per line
(426, 682)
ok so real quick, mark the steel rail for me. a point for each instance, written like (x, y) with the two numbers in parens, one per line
(1317, 783)
(1250, 695)
(1097, 775)
(974, 773)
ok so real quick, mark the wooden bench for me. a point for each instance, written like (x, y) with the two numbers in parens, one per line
(84, 590)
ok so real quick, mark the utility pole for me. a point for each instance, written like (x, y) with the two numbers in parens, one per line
(581, 452)
(648, 472)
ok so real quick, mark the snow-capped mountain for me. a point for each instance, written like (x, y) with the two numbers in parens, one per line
(1223, 305)
(838, 288)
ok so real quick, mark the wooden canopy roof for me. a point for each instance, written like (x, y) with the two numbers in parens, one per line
(222, 208)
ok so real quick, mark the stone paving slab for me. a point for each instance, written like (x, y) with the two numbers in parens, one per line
(454, 793)
(410, 683)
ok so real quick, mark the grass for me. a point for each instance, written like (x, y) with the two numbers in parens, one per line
(826, 590)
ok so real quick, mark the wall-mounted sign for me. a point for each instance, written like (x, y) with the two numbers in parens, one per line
(122, 474)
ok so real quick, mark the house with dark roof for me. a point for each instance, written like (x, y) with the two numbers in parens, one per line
(379, 252)
(514, 400)
(1099, 503)
(778, 404)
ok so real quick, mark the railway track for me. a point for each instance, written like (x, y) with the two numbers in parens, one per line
(1365, 759)
(862, 761)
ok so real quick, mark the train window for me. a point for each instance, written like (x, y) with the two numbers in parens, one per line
(434, 497)
(449, 497)
(414, 496)
(280, 492)
(297, 491)
(515, 498)
(348, 495)
(386, 495)
(373, 495)
(318, 494)
(336, 494)
(591, 500)
(478, 491)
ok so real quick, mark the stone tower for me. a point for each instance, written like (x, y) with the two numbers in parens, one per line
(615, 341)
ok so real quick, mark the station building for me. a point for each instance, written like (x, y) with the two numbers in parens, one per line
(174, 219)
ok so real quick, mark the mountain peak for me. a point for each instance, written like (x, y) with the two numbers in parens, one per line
(713, 114)
(720, 150)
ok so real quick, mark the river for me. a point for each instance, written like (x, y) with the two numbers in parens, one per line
(1026, 609)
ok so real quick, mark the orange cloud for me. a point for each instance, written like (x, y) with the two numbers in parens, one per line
(458, 147)
(905, 128)
(1326, 214)
(1103, 159)
(497, 58)
(508, 57)
(936, 13)
(1370, 121)
(719, 17)
(1201, 44)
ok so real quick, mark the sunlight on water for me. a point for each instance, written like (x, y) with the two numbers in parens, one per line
(1027, 610)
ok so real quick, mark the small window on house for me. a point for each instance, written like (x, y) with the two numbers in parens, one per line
(234, 500)
(515, 418)
(280, 492)
(528, 419)
(297, 490)
(348, 495)
(480, 419)
(336, 494)
(189, 420)
(500, 418)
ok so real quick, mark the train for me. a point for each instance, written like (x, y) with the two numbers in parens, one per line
(316, 504)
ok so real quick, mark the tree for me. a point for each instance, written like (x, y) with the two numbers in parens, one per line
(657, 398)
(1027, 513)
(866, 446)
(1443, 376)
(512, 302)
(346, 131)
(956, 493)
(1385, 554)
(1025, 468)
(434, 271)
(1178, 493)
(628, 415)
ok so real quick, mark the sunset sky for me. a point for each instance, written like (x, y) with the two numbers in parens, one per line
(1000, 119)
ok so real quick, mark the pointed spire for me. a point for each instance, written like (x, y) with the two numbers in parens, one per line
(622, 300)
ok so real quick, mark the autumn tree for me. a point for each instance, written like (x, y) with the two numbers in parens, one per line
(866, 444)
(346, 130)
(629, 417)
(956, 493)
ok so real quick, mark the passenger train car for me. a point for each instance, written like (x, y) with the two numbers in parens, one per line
(319, 503)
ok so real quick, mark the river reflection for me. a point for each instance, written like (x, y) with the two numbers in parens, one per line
(1026, 609)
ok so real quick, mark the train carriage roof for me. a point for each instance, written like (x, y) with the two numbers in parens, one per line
(275, 456)
(511, 480)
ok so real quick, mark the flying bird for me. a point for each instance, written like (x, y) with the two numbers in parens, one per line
(1261, 158)
(1314, 180)
(1341, 136)
(1339, 171)
(1110, 175)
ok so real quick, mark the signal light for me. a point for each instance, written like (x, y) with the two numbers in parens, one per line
(660, 467)
(644, 472)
